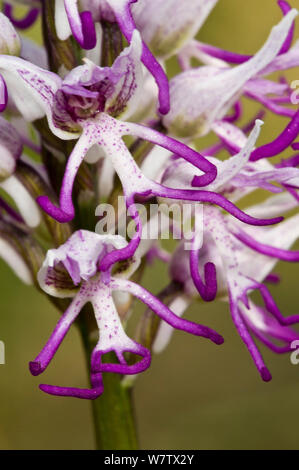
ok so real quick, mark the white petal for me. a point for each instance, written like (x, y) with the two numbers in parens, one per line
(15, 262)
(273, 206)
(129, 87)
(282, 236)
(62, 25)
(24, 201)
(231, 167)
(32, 89)
(9, 39)
(284, 61)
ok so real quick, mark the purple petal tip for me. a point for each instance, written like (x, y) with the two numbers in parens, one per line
(55, 212)
(218, 339)
(164, 108)
(265, 374)
(89, 32)
(35, 368)
(85, 394)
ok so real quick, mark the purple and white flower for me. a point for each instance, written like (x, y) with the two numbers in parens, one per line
(121, 146)
(224, 264)
(77, 18)
(226, 259)
(72, 270)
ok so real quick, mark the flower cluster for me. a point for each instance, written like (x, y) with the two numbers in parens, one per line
(92, 116)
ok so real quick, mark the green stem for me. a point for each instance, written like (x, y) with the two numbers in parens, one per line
(113, 412)
(114, 417)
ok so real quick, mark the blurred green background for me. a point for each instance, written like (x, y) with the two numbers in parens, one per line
(195, 395)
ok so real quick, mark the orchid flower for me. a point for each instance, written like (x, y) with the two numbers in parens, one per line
(244, 275)
(100, 164)
(224, 263)
(215, 89)
(70, 19)
(236, 177)
(238, 274)
(72, 270)
(9, 40)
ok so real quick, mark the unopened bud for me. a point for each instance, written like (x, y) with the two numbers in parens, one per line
(10, 43)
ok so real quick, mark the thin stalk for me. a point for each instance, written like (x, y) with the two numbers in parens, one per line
(113, 412)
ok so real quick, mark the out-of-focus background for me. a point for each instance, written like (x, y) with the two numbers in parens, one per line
(195, 395)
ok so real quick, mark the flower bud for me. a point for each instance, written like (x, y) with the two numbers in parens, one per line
(10, 43)
(10, 149)
(167, 25)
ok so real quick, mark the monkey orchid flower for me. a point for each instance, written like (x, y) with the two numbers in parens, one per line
(245, 273)
(244, 261)
(236, 177)
(77, 18)
(72, 270)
